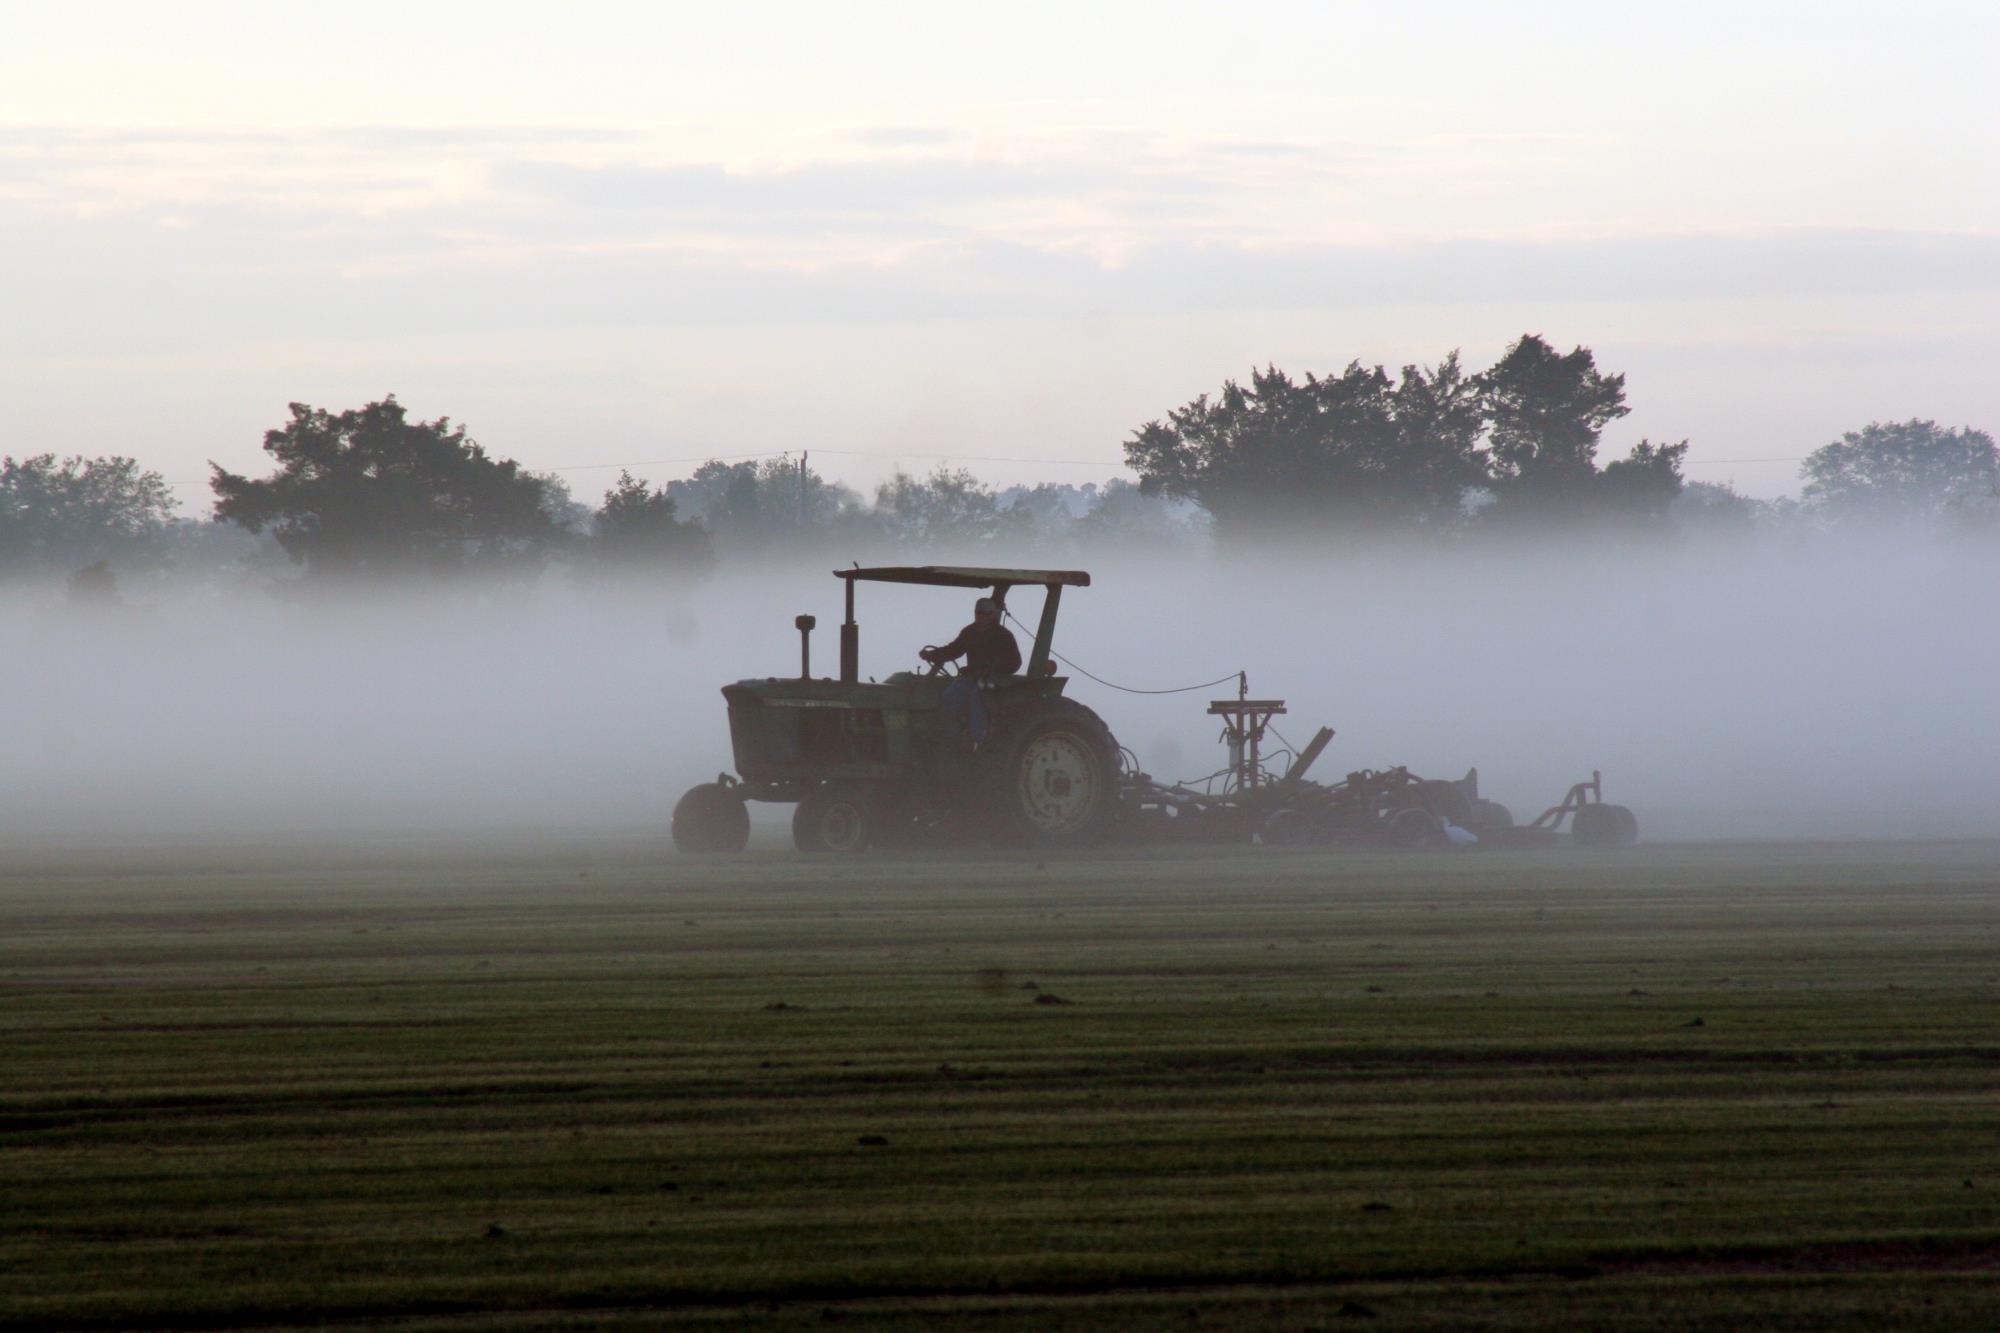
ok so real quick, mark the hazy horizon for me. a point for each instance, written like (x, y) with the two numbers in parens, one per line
(629, 233)
(1777, 689)
(618, 234)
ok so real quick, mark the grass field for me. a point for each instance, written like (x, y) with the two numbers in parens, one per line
(586, 1083)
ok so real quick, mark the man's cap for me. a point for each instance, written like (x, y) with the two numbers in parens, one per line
(985, 606)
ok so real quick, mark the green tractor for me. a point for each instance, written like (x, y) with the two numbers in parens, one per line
(871, 764)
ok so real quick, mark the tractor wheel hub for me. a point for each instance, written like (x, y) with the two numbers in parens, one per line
(1058, 782)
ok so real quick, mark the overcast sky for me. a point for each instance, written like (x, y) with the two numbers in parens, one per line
(621, 232)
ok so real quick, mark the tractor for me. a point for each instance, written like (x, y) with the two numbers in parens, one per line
(871, 764)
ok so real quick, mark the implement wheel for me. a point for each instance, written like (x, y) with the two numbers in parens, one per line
(833, 819)
(1449, 799)
(1603, 825)
(711, 818)
(1053, 779)
(1285, 828)
(1415, 827)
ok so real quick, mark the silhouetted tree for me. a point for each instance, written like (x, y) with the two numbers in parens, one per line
(211, 553)
(1636, 493)
(1046, 515)
(370, 492)
(636, 530)
(950, 509)
(1062, 519)
(61, 515)
(94, 586)
(1440, 415)
(1975, 514)
(563, 508)
(1123, 516)
(1898, 473)
(1545, 412)
(773, 505)
(1713, 510)
(1350, 452)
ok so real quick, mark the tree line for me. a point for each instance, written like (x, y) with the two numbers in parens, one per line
(1435, 453)
(1514, 448)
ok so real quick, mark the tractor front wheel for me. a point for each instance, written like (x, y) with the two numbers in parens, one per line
(711, 818)
(832, 819)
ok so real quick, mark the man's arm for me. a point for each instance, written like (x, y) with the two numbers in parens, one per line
(952, 651)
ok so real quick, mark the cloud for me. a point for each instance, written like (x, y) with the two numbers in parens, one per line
(903, 136)
(1270, 149)
(52, 138)
(1629, 268)
(230, 276)
(537, 186)
(1006, 280)
(475, 136)
(1105, 190)
(885, 188)
(334, 172)
(168, 240)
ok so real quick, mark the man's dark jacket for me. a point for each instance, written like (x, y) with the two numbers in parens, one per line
(989, 650)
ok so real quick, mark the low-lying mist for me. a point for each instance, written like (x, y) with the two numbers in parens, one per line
(1778, 690)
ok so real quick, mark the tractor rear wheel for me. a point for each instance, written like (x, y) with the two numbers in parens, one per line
(833, 819)
(1053, 778)
(711, 818)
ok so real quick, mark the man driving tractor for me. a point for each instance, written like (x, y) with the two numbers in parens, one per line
(989, 650)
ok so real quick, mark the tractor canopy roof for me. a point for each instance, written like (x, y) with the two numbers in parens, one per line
(966, 576)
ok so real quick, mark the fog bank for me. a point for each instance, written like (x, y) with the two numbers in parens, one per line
(1808, 690)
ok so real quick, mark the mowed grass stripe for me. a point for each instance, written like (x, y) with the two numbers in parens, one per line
(651, 1086)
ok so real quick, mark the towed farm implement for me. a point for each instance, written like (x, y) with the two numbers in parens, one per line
(870, 764)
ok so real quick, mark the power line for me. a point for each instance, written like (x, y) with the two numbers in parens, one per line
(690, 458)
(975, 458)
(1006, 458)
(842, 453)
(846, 453)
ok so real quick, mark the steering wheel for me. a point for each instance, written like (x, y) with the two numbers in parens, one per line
(936, 668)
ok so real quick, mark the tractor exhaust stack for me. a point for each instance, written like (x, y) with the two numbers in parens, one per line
(805, 626)
(850, 642)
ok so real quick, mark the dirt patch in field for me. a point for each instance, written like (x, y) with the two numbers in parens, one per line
(1470, 1056)
(1901, 1256)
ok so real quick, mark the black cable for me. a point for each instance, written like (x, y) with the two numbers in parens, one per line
(1185, 689)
